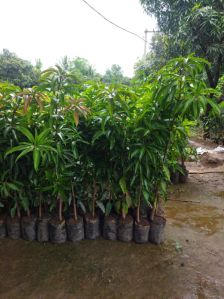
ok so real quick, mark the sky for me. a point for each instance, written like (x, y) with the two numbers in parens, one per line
(50, 29)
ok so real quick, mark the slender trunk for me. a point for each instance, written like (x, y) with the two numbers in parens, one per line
(139, 203)
(182, 161)
(28, 212)
(74, 205)
(18, 210)
(123, 214)
(94, 199)
(75, 210)
(138, 213)
(153, 213)
(40, 209)
(60, 210)
(40, 205)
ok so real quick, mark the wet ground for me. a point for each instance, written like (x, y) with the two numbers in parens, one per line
(190, 265)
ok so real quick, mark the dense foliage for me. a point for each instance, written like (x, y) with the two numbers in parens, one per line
(94, 145)
(114, 75)
(214, 124)
(189, 27)
(18, 71)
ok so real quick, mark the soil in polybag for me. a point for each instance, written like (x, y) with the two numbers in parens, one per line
(75, 229)
(110, 228)
(43, 229)
(92, 227)
(2, 227)
(28, 228)
(157, 230)
(13, 228)
(125, 229)
(57, 231)
(141, 231)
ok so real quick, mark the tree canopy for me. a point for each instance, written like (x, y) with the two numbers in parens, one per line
(192, 26)
(162, 49)
(115, 75)
(17, 70)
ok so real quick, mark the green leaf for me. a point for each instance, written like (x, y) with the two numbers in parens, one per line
(134, 153)
(13, 186)
(122, 183)
(36, 158)
(81, 205)
(214, 106)
(166, 172)
(146, 195)
(112, 143)
(125, 207)
(47, 148)
(43, 136)
(128, 200)
(25, 203)
(108, 208)
(27, 133)
(117, 206)
(24, 153)
(16, 149)
(142, 151)
(13, 211)
(101, 206)
(96, 136)
(163, 186)
(195, 109)
(186, 106)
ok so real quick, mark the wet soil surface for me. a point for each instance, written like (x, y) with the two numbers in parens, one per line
(190, 265)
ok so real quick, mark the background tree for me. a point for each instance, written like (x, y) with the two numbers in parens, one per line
(81, 69)
(163, 47)
(193, 26)
(114, 75)
(17, 70)
(84, 69)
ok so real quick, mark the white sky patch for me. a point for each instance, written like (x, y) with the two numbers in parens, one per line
(50, 29)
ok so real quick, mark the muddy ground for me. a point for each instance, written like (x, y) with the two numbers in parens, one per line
(189, 265)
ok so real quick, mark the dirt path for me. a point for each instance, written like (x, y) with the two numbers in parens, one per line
(190, 265)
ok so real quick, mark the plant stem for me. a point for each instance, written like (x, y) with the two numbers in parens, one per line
(74, 204)
(28, 212)
(182, 161)
(18, 210)
(138, 213)
(94, 198)
(152, 216)
(139, 203)
(153, 213)
(123, 214)
(60, 210)
(40, 208)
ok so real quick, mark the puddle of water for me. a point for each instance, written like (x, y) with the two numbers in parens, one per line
(220, 194)
(204, 218)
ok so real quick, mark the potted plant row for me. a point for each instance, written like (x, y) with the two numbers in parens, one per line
(95, 147)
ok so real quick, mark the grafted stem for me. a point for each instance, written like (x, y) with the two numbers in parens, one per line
(139, 203)
(94, 198)
(74, 204)
(18, 210)
(60, 209)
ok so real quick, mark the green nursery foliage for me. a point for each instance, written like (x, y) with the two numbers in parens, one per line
(95, 146)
